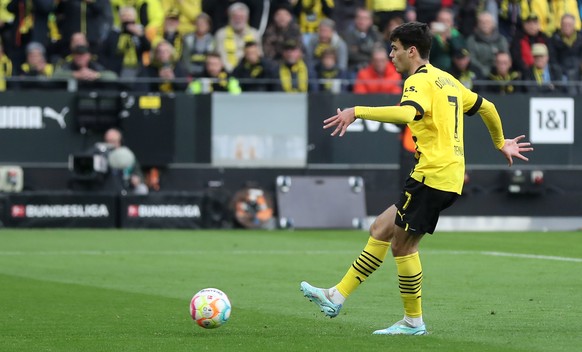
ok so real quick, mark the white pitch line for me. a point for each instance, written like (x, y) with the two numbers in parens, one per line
(275, 252)
(533, 256)
(170, 252)
(506, 254)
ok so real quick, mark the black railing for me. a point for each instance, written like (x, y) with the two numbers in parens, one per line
(333, 85)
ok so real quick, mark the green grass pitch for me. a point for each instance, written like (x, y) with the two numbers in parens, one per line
(111, 290)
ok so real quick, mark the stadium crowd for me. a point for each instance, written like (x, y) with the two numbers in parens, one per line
(200, 46)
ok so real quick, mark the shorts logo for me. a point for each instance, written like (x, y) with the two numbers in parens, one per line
(401, 215)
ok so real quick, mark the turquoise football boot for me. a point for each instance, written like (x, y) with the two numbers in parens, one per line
(402, 328)
(317, 296)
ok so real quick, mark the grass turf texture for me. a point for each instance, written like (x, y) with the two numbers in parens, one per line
(85, 290)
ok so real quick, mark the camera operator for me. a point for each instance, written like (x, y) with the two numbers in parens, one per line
(124, 168)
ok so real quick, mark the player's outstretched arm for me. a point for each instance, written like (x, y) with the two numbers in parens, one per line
(513, 148)
(390, 114)
(510, 148)
(341, 121)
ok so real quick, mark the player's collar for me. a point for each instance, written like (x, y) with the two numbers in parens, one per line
(421, 69)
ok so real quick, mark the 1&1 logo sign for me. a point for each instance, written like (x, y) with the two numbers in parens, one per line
(551, 120)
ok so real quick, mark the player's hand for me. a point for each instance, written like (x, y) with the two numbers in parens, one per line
(514, 148)
(341, 121)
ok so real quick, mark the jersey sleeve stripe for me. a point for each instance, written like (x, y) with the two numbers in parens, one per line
(472, 111)
(416, 106)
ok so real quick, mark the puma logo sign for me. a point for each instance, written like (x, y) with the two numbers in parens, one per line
(360, 280)
(58, 117)
(401, 215)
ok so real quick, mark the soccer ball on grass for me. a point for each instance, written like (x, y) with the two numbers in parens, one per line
(210, 308)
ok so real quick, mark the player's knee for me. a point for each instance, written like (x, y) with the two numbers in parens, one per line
(380, 233)
(401, 247)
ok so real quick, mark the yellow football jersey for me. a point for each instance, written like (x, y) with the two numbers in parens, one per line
(441, 102)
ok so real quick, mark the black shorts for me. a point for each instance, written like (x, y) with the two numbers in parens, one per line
(419, 207)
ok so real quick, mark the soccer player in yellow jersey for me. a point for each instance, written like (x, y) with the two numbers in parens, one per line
(433, 105)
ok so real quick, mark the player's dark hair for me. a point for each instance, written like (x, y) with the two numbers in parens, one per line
(416, 34)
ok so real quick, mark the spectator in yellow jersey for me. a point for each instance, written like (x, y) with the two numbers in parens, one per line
(309, 13)
(231, 39)
(385, 10)
(149, 14)
(539, 9)
(5, 69)
(433, 106)
(171, 31)
(187, 10)
(559, 8)
(510, 17)
(294, 75)
(36, 72)
(5, 15)
(36, 65)
(123, 50)
(549, 12)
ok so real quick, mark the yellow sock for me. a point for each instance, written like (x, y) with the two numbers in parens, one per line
(367, 262)
(410, 283)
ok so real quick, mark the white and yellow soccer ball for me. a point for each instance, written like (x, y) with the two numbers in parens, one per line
(210, 308)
